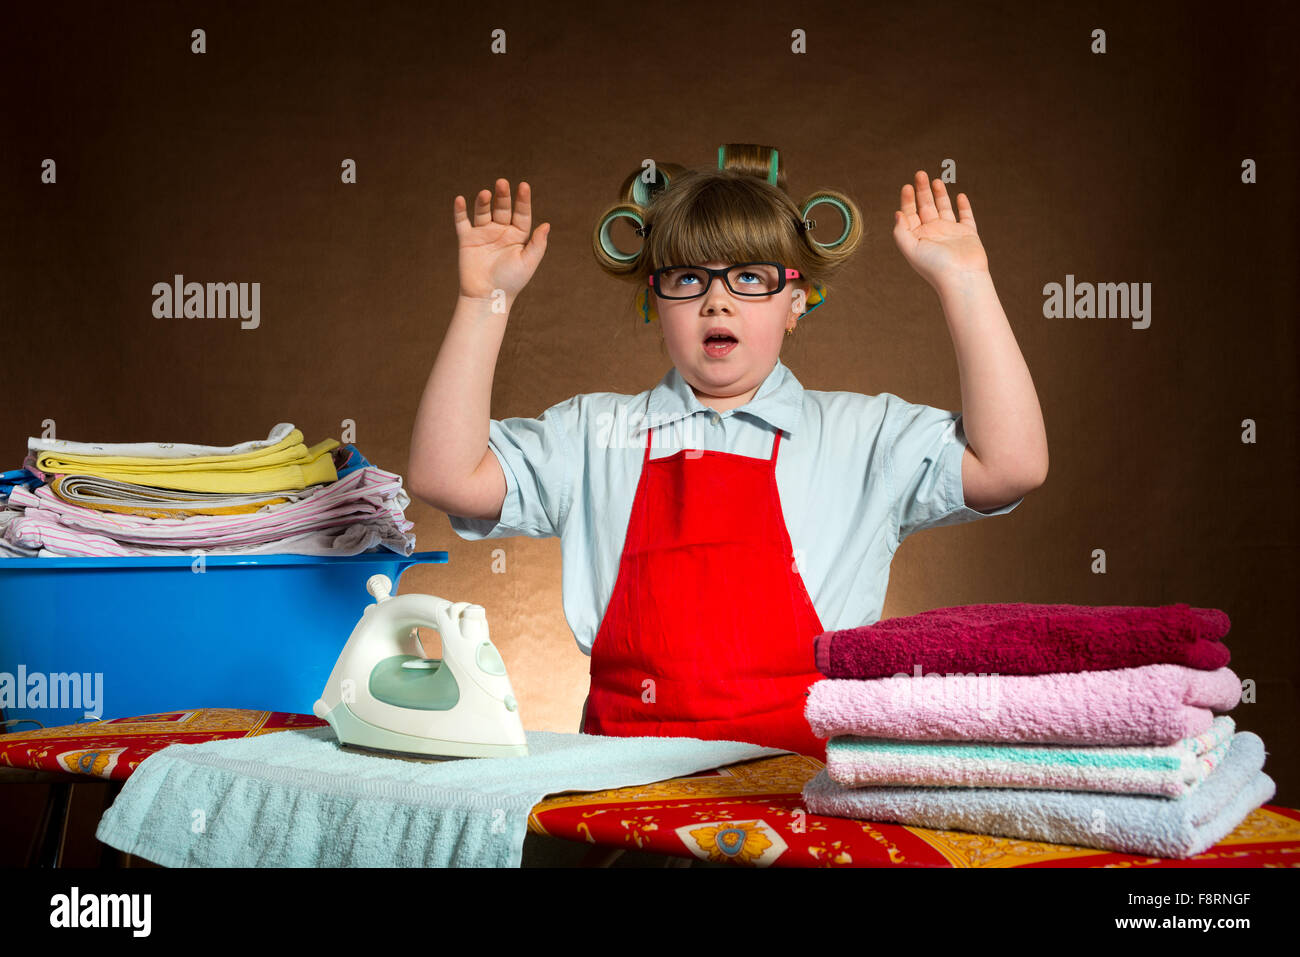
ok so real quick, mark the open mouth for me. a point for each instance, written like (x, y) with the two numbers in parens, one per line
(719, 344)
(718, 341)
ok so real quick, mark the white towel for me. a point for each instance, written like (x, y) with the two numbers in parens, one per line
(166, 450)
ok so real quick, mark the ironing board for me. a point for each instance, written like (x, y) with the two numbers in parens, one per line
(744, 814)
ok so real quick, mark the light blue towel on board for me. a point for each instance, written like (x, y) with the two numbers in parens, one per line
(297, 799)
(1131, 823)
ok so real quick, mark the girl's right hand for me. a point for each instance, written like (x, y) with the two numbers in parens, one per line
(495, 250)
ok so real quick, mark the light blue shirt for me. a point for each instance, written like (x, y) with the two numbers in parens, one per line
(856, 475)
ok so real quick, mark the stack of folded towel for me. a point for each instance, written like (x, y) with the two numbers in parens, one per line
(1072, 724)
(269, 496)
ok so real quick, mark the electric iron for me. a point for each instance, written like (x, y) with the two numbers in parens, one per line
(380, 697)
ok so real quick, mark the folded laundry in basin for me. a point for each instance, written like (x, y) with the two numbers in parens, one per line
(1169, 770)
(296, 799)
(1026, 639)
(1132, 824)
(363, 509)
(1153, 704)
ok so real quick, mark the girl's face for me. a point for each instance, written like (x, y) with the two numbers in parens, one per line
(758, 324)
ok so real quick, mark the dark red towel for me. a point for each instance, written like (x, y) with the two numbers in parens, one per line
(1025, 639)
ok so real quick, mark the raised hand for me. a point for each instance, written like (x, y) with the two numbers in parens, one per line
(495, 249)
(931, 238)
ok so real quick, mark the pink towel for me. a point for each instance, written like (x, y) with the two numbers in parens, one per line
(1024, 639)
(1154, 704)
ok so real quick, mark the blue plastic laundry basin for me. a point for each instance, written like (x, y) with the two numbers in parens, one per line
(120, 637)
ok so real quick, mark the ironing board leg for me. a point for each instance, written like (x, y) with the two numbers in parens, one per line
(110, 856)
(601, 857)
(48, 846)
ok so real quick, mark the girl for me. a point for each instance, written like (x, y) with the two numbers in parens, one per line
(712, 526)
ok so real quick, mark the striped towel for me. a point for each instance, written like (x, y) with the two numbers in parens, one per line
(1131, 823)
(1168, 771)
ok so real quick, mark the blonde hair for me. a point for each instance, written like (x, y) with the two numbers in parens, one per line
(734, 213)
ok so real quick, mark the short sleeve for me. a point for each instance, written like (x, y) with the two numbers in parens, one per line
(538, 462)
(923, 463)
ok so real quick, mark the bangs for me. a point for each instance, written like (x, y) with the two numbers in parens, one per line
(722, 223)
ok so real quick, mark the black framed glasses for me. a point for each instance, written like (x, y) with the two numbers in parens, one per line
(742, 279)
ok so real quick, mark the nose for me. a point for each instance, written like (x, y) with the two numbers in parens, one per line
(716, 294)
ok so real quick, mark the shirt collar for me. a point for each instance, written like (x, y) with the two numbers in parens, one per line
(778, 401)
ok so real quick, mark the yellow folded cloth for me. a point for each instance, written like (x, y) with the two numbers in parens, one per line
(288, 464)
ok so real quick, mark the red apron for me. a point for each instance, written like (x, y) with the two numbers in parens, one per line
(709, 632)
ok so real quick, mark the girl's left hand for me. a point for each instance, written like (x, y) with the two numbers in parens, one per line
(930, 237)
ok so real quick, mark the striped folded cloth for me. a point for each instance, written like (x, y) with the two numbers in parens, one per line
(1130, 823)
(1167, 771)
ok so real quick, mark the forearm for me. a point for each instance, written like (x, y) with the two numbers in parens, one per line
(1000, 411)
(450, 437)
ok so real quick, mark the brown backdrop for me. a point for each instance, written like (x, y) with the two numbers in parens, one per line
(1116, 167)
